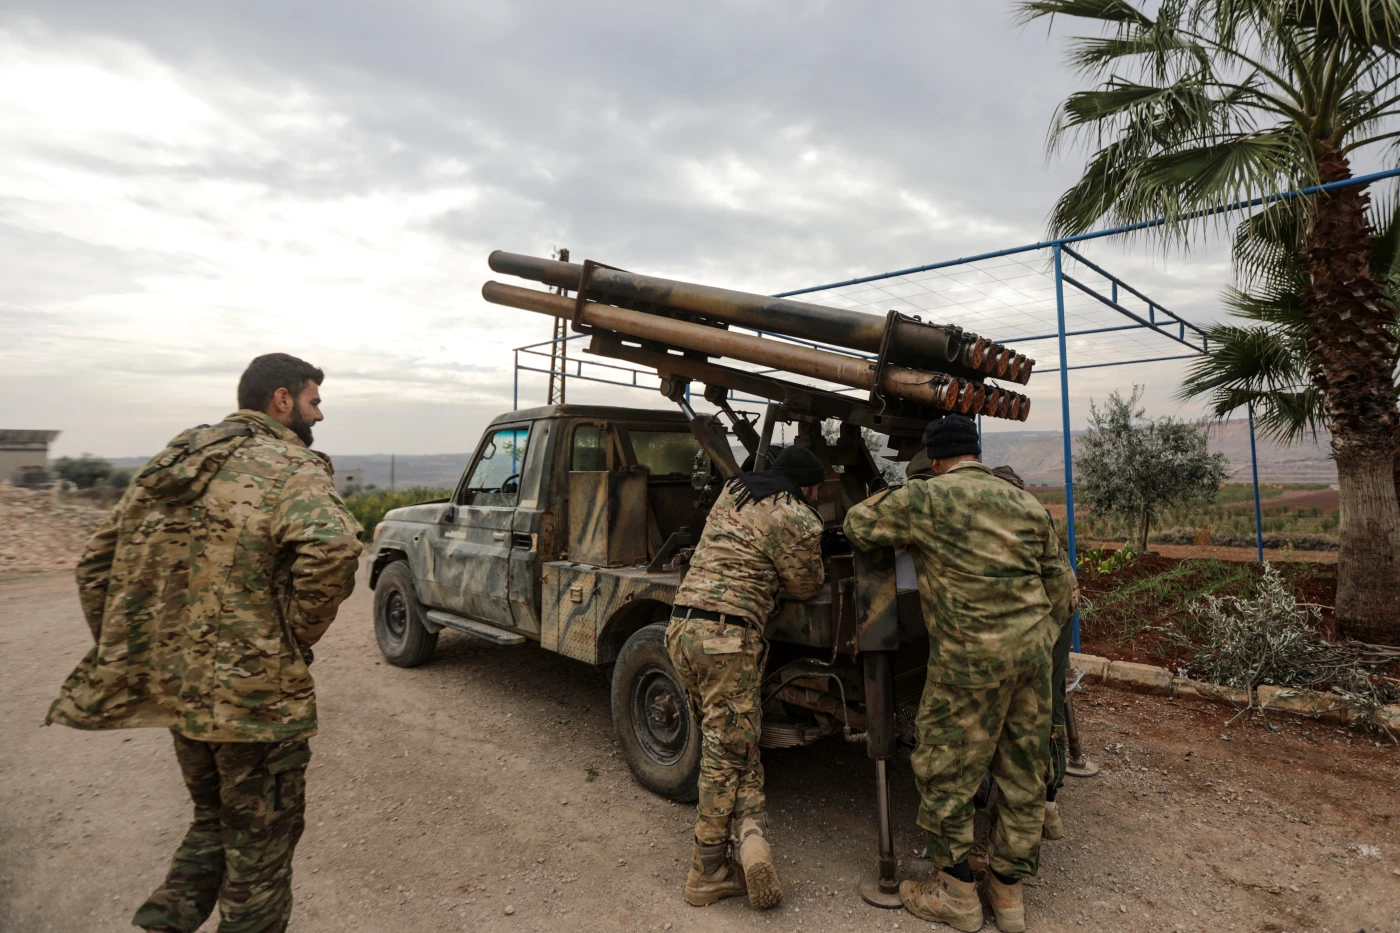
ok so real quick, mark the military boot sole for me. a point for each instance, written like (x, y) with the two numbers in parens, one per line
(968, 921)
(708, 896)
(1010, 921)
(764, 890)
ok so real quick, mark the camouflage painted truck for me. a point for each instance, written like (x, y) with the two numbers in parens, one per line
(572, 525)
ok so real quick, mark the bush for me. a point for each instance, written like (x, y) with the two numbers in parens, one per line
(1267, 638)
(84, 472)
(369, 507)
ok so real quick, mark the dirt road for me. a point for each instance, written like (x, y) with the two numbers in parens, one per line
(444, 796)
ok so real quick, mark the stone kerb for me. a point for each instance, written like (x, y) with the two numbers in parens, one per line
(1158, 681)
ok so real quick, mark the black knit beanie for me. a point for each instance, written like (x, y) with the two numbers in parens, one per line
(801, 466)
(952, 436)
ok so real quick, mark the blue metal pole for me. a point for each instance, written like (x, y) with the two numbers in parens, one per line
(1254, 464)
(1065, 425)
(1111, 231)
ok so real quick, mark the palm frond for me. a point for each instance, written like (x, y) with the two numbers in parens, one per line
(1106, 11)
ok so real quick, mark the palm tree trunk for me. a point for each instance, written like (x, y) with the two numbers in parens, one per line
(1353, 351)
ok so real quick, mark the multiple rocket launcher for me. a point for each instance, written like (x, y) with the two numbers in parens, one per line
(941, 366)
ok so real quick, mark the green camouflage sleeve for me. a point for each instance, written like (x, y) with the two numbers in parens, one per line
(1057, 575)
(798, 556)
(312, 521)
(882, 520)
(95, 569)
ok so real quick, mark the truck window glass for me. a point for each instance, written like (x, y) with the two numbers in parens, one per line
(665, 453)
(496, 479)
(590, 448)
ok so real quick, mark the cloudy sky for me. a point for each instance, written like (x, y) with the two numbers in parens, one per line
(184, 185)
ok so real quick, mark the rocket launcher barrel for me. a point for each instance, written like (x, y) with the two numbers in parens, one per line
(912, 343)
(937, 389)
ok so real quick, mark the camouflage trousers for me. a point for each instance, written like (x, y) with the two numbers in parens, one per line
(721, 667)
(964, 732)
(249, 809)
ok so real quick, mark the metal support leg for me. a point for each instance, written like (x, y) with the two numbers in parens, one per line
(882, 888)
(1079, 765)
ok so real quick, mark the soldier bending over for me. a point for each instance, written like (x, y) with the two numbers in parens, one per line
(762, 536)
(205, 589)
(995, 589)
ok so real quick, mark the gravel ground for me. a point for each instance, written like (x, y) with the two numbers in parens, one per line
(483, 793)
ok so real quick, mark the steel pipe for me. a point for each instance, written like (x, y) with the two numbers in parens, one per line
(854, 330)
(928, 388)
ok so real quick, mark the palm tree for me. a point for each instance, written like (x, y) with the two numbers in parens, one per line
(1229, 100)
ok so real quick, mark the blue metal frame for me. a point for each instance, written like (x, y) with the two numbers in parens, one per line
(1060, 246)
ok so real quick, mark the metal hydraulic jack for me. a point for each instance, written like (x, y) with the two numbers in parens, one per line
(882, 888)
(1078, 764)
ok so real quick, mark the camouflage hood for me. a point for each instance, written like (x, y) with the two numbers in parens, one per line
(182, 470)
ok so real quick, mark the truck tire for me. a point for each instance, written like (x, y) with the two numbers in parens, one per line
(398, 619)
(656, 728)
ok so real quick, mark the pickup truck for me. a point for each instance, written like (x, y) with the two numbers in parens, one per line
(571, 528)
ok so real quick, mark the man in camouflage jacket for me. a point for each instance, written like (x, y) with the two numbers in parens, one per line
(995, 589)
(762, 537)
(205, 589)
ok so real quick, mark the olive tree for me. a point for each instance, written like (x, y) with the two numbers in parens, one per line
(1132, 466)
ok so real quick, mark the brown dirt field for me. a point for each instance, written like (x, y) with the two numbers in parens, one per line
(1243, 555)
(1325, 499)
(438, 796)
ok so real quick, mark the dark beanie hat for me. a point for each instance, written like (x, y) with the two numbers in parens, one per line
(801, 466)
(951, 436)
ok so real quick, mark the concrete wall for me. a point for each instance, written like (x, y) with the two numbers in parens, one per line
(13, 463)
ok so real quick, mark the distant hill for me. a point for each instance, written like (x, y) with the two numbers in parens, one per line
(1036, 455)
(1039, 455)
(413, 470)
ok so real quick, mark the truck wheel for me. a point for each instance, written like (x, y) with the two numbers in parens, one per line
(656, 729)
(398, 619)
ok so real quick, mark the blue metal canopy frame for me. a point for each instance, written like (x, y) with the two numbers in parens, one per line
(1158, 320)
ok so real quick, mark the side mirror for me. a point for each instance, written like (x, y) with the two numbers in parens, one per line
(449, 514)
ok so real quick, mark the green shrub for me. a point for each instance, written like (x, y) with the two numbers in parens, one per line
(1266, 637)
(369, 507)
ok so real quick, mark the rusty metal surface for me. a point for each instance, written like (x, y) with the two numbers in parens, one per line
(929, 388)
(608, 517)
(877, 600)
(580, 602)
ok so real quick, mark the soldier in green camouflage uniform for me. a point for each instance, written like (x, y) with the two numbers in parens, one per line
(761, 537)
(1054, 827)
(205, 588)
(995, 589)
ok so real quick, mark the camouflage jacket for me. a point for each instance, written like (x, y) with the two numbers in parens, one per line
(223, 563)
(747, 555)
(994, 585)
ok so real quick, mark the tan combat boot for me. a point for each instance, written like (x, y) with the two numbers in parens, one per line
(713, 876)
(1005, 901)
(1054, 827)
(943, 897)
(759, 871)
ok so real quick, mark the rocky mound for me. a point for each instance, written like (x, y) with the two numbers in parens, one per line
(38, 533)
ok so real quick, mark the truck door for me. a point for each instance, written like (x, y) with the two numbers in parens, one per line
(474, 562)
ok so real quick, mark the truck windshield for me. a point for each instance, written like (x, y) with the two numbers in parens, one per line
(665, 453)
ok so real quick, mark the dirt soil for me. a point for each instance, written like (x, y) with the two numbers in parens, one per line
(488, 781)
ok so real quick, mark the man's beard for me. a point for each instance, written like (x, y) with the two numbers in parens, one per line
(300, 426)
